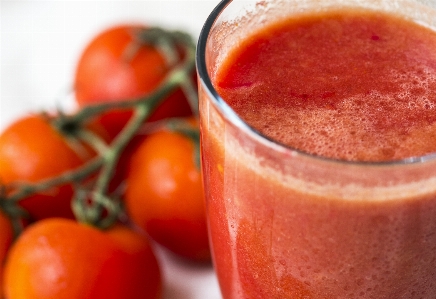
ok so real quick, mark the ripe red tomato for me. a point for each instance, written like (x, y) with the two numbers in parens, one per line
(164, 194)
(31, 150)
(62, 259)
(117, 66)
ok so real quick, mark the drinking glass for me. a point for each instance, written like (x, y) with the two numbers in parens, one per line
(287, 224)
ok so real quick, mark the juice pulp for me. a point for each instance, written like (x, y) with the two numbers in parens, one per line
(352, 85)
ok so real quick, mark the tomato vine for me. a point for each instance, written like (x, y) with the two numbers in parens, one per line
(92, 202)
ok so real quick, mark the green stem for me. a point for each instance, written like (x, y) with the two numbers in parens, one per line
(76, 175)
(94, 140)
(187, 130)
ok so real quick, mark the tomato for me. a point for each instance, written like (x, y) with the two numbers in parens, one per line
(32, 150)
(6, 236)
(62, 259)
(117, 66)
(164, 194)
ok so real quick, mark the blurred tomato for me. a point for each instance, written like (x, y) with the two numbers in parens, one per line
(117, 66)
(6, 237)
(62, 259)
(31, 150)
(164, 194)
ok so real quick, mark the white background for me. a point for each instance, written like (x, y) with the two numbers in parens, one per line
(39, 47)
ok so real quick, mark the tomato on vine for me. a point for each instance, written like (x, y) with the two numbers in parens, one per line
(32, 150)
(164, 193)
(63, 259)
(54, 167)
(120, 64)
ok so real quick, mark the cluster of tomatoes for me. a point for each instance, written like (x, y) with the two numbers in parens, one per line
(83, 192)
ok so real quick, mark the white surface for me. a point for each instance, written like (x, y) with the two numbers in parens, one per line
(39, 46)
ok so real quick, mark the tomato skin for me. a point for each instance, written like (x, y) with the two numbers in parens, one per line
(31, 150)
(106, 73)
(6, 237)
(165, 197)
(62, 259)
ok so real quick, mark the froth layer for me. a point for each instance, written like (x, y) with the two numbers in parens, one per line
(357, 86)
(368, 127)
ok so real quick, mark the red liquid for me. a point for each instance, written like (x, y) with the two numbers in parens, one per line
(354, 86)
(349, 85)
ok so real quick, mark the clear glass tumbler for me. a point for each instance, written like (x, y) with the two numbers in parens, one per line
(287, 224)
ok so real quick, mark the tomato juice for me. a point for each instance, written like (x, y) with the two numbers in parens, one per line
(321, 197)
(347, 85)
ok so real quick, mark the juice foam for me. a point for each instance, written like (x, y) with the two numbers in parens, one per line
(369, 95)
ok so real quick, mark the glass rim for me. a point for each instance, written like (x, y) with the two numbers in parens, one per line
(230, 115)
